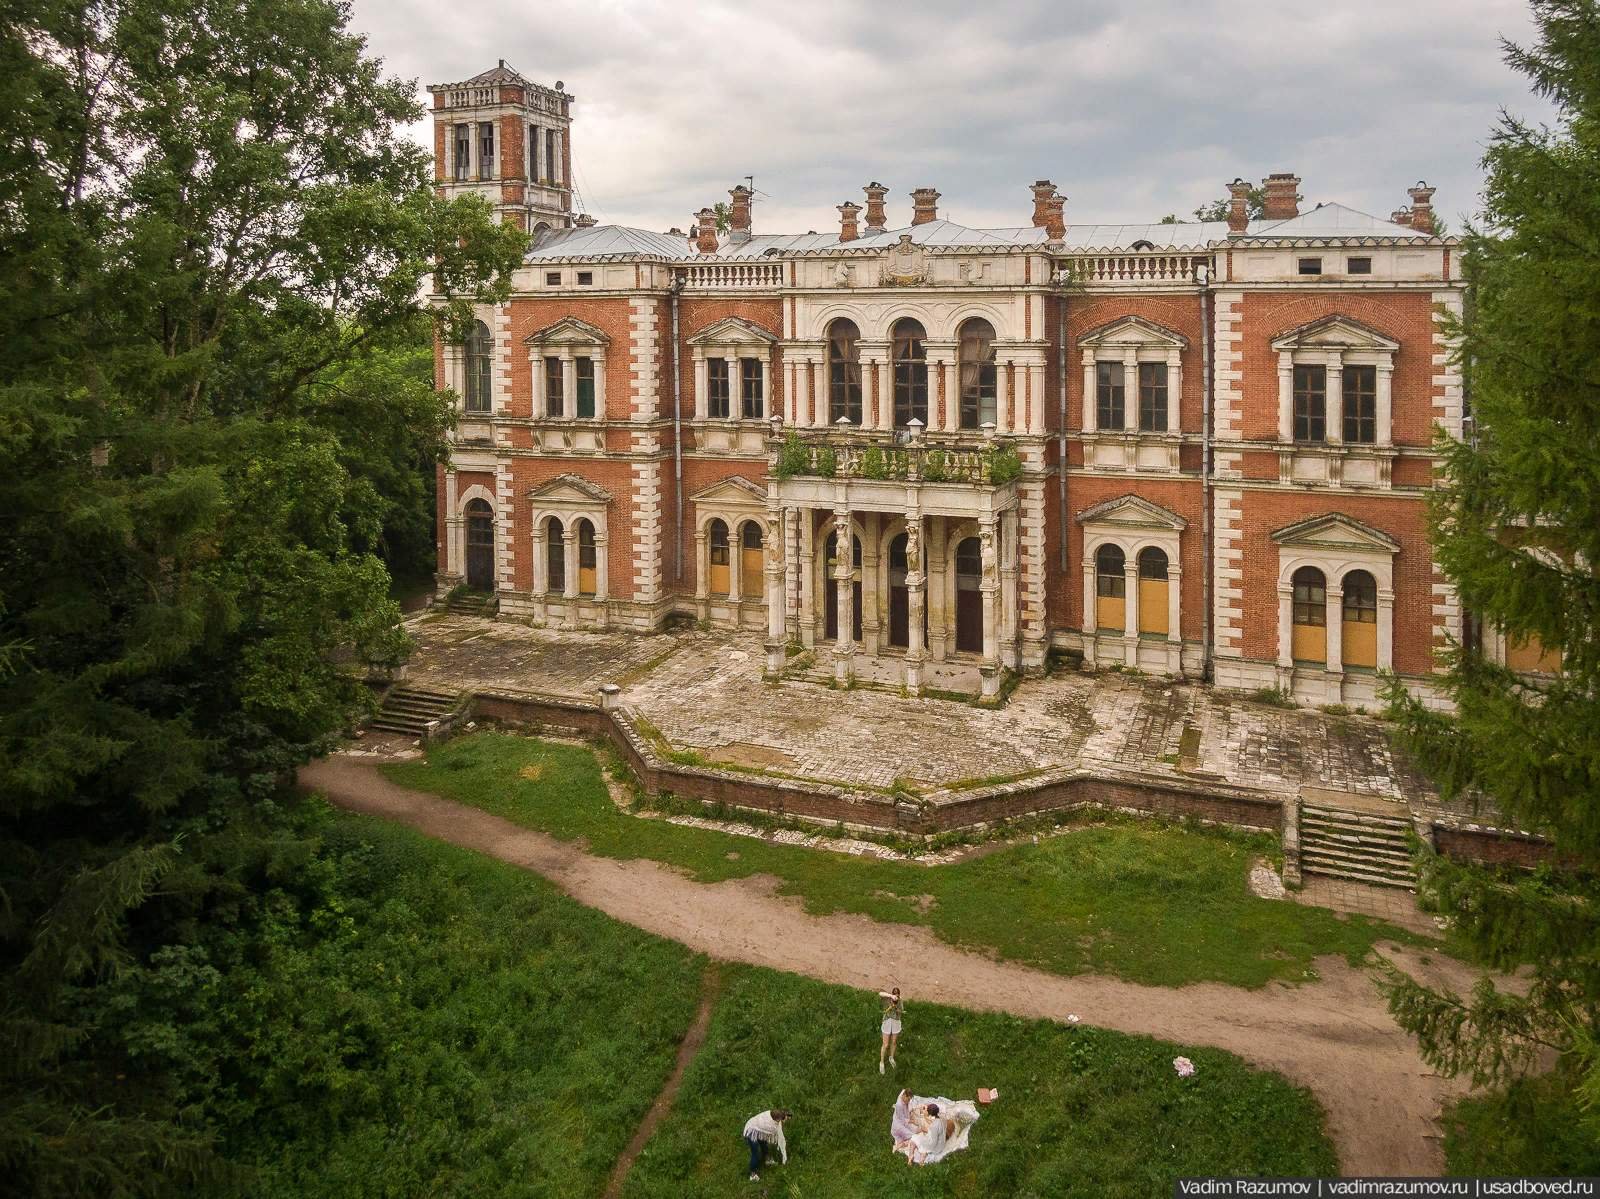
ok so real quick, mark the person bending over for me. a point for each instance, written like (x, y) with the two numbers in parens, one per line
(761, 1131)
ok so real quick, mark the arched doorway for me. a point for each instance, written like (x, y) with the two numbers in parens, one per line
(1110, 589)
(555, 557)
(969, 596)
(1309, 639)
(831, 590)
(750, 560)
(900, 597)
(1153, 584)
(480, 545)
(1358, 630)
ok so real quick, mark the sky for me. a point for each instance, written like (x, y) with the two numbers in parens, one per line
(1133, 110)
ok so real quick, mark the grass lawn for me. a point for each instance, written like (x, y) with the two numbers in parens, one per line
(1082, 1112)
(1534, 1126)
(1136, 899)
(463, 1030)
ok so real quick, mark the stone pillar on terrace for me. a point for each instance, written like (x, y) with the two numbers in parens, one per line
(989, 669)
(1285, 636)
(1334, 616)
(702, 575)
(844, 645)
(777, 586)
(916, 655)
(541, 572)
(1091, 610)
(937, 582)
(453, 526)
(602, 579)
(806, 618)
(1174, 612)
(569, 548)
(1008, 590)
(1130, 610)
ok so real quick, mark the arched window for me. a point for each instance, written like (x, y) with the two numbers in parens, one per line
(1111, 588)
(844, 372)
(718, 539)
(478, 354)
(555, 557)
(978, 374)
(1358, 642)
(1309, 639)
(750, 560)
(910, 373)
(587, 558)
(1153, 584)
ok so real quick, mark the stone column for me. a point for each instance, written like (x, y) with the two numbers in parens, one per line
(702, 574)
(602, 578)
(1130, 389)
(569, 548)
(702, 384)
(735, 568)
(1333, 614)
(874, 599)
(597, 358)
(453, 565)
(1174, 617)
(536, 365)
(1285, 396)
(774, 544)
(541, 572)
(1384, 404)
(844, 646)
(1091, 399)
(1334, 404)
(791, 392)
(569, 384)
(1008, 589)
(1091, 615)
(1037, 400)
(989, 669)
(807, 618)
(1174, 391)
(1285, 636)
(1130, 610)
(916, 655)
(735, 387)
(819, 395)
(1385, 628)
(938, 607)
(1002, 397)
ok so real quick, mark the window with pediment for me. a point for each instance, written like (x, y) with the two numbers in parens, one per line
(1334, 384)
(1132, 373)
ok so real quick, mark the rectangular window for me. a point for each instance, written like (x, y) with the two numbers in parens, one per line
(750, 394)
(533, 153)
(463, 153)
(1153, 397)
(1361, 404)
(1311, 266)
(1311, 403)
(717, 388)
(1108, 386)
(486, 150)
(552, 278)
(550, 166)
(552, 387)
(1358, 266)
(1310, 605)
(585, 278)
(585, 373)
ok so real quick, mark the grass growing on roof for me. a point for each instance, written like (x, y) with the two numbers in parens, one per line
(1082, 1111)
(1135, 899)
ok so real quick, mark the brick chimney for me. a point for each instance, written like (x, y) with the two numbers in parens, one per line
(1042, 191)
(1282, 200)
(705, 238)
(847, 221)
(924, 206)
(739, 214)
(1238, 208)
(1055, 218)
(1401, 216)
(584, 221)
(1422, 207)
(876, 219)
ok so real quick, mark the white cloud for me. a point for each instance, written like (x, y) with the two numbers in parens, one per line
(1133, 111)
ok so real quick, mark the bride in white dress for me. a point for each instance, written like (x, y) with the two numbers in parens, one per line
(944, 1126)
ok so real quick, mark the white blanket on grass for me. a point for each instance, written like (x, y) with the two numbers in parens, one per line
(939, 1136)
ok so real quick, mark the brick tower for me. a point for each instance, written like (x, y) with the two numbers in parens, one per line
(503, 137)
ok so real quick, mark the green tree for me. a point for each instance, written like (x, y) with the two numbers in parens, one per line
(212, 239)
(1217, 210)
(1517, 529)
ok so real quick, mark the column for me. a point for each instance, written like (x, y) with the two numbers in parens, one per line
(916, 655)
(989, 669)
(1037, 401)
(1091, 404)
(735, 567)
(569, 384)
(775, 543)
(1174, 616)
(1386, 628)
(1285, 636)
(1385, 403)
(597, 358)
(844, 646)
(702, 384)
(1335, 402)
(1174, 391)
(452, 528)
(938, 608)
(602, 577)
(807, 619)
(885, 389)
(1002, 397)
(702, 575)
(569, 549)
(1334, 615)
(874, 599)
(791, 580)
(735, 387)
(1091, 617)
(791, 396)
(1130, 389)
(1008, 589)
(541, 571)
(1285, 396)
(819, 394)
(536, 365)
(1130, 610)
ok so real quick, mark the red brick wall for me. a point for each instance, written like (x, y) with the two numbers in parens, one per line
(1180, 313)
(513, 149)
(607, 313)
(439, 141)
(699, 313)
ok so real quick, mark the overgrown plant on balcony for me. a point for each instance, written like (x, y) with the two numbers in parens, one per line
(826, 462)
(873, 464)
(1003, 464)
(936, 467)
(794, 458)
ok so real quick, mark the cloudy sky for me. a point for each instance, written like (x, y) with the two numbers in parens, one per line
(1133, 109)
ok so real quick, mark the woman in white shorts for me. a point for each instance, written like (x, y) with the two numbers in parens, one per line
(893, 1010)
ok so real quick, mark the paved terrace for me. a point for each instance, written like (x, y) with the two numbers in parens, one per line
(704, 692)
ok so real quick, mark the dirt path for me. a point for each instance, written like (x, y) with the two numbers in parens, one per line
(1332, 1036)
(710, 986)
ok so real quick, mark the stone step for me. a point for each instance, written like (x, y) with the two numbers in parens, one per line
(390, 725)
(1317, 858)
(422, 712)
(426, 693)
(1314, 812)
(1356, 874)
(1387, 847)
(1349, 853)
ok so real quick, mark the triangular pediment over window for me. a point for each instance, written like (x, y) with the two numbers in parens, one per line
(569, 490)
(734, 490)
(1131, 512)
(1134, 331)
(1334, 530)
(1334, 333)
(733, 331)
(569, 330)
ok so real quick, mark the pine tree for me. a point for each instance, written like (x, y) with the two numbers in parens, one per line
(1517, 528)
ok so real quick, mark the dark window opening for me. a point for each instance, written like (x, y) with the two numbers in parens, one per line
(1153, 397)
(463, 163)
(910, 373)
(1310, 597)
(1311, 403)
(844, 372)
(1361, 404)
(1108, 387)
(751, 399)
(717, 382)
(552, 387)
(552, 278)
(1358, 266)
(1110, 572)
(979, 375)
(585, 373)
(479, 357)
(486, 150)
(1311, 266)
(550, 170)
(585, 278)
(1360, 598)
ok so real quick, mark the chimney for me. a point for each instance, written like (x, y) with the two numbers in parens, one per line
(705, 238)
(924, 206)
(1238, 208)
(1401, 216)
(1282, 201)
(847, 220)
(739, 214)
(1055, 218)
(875, 214)
(584, 221)
(1422, 207)
(1043, 190)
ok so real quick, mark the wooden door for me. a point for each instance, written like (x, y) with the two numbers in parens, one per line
(480, 548)
(751, 562)
(1153, 606)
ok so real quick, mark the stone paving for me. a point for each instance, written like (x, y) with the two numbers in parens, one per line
(704, 692)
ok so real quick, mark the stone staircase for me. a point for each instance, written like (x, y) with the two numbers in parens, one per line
(472, 603)
(409, 710)
(1364, 847)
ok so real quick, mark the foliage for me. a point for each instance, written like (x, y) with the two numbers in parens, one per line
(1145, 902)
(936, 466)
(873, 464)
(1002, 464)
(210, 230)
(794, 458)
(1217, 210)
(1517, 529)
(1082, 1111)
(826, 462)
(1528, 1127)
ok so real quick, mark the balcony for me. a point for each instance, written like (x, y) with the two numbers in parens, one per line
(1134, 269)
(719, 276)
(865, 471)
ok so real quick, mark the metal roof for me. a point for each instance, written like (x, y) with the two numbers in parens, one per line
(1332, 220)
(607, 241)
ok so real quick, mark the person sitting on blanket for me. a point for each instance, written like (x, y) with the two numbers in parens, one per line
(942, 1127)
(901, 1126)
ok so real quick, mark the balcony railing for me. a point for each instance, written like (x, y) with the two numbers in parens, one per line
(1134, 269)
(829, 456)
(734, 274)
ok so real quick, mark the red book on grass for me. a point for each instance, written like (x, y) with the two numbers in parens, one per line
(986, 1096)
